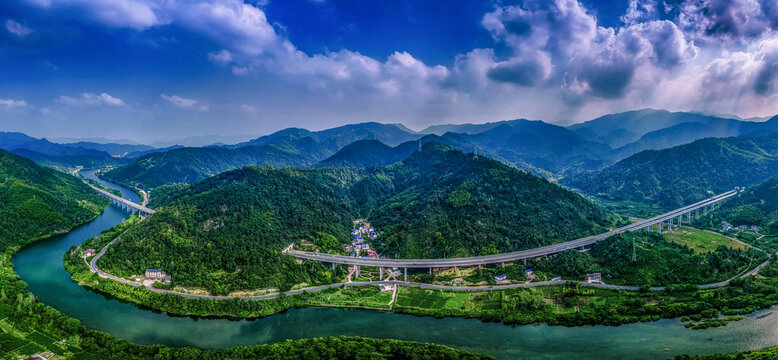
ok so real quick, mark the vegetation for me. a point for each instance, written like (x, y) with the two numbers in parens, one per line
(38, 201)
(687, 173)
(764, 354)
(225, 234)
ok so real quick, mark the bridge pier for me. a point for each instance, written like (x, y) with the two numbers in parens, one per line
(525, 261)
(405, 277)
(689, 217)
(455, 270)
(381, 273)
(356, 270)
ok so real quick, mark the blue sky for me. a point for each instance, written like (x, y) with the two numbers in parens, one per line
(164, 69)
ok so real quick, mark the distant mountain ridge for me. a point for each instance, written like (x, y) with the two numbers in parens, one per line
(686, 173)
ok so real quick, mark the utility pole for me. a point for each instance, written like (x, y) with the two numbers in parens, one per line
(634, 254)
(475, 153)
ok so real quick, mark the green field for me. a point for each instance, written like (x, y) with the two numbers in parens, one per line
(363, 297)
(701, 241)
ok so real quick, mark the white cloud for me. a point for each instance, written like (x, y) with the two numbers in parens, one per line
(17, 29)
(248, 109)
(90, 99)
(223, 57)
(12, 104)
(184, 103)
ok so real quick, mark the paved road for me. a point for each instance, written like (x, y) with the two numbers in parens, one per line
(505, 257)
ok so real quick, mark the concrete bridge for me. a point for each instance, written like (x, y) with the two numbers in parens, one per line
(667, 220)
(124, 203)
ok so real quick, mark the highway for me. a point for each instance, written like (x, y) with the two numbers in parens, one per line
(121, 200)
(668, 217)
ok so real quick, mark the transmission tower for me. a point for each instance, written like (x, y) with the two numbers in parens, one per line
(634, 254)
(475, 153)
(419, 145)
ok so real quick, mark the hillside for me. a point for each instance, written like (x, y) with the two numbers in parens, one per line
(226, 232)
(757, 205)
(288, 147)
(367, 153)
(686, 173)
(38, 201)
(188, 165)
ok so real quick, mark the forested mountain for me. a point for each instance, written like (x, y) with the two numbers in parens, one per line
(45, 152)
(686, 173)
(226, 232)
(645, 129)
(367, 153)
(36, 201)
(757, 205)
(118, 150)
(188, 165)
(336, 138)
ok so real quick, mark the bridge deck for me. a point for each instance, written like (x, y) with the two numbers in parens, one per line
(506, 257)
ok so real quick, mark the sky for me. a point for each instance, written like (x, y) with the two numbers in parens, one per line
(152, 70)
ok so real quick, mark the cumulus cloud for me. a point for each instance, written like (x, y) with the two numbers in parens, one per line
(16, 28)
(12, 104)
(184, 103)
(727, 19)
(90, 99)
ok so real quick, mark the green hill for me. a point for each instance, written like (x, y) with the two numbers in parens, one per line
(37, 201)
(188, 165)
(226, 233)
(685, 174)
(756, 205)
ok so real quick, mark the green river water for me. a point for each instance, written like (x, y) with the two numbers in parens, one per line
(41, 267)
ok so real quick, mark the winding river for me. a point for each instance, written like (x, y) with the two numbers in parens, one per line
(41, 267)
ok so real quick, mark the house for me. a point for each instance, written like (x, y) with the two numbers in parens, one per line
(347, 247)
(352, 254)
(556, 278)
(386, 287)
(36, 357)
(754, 228)
(155, 274)
(529, 274)
(500, 278)
(594, 278)
(89, 252)
(371, 253)
(354, 232)
(742, 228)
(725, 226)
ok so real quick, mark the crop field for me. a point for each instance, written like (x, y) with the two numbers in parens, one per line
(368, 296)
(701, 241)
(18, 342)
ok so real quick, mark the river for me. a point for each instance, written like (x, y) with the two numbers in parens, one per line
(41, 267)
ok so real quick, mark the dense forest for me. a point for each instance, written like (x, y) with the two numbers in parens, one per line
(226, 233)
(37, 201)
(685, 174)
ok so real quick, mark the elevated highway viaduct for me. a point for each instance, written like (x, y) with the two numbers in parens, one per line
(670, 219)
